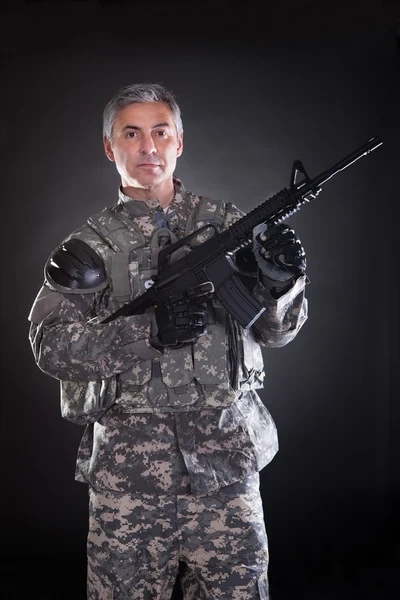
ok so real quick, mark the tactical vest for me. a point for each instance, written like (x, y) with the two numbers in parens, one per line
(211, 373)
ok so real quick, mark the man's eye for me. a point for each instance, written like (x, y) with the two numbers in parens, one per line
(161, 133)
(131, 134)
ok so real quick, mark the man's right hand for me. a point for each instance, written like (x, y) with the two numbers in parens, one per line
(182, 319)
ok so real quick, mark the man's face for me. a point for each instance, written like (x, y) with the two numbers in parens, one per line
(145, 144)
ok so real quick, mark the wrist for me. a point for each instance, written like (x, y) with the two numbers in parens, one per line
(277, 288)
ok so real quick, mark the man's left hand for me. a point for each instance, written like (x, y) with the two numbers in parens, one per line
(279, 253)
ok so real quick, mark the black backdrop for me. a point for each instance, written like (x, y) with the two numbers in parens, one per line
(258, 87)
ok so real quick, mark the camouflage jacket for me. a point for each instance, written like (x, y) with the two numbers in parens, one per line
(112, 378)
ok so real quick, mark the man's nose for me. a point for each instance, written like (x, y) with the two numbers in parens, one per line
(147, 145)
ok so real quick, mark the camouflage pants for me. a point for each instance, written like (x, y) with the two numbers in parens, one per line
(135, 544)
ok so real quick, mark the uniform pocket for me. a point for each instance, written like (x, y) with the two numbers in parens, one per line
(210, 366)
(140, 279)
(138, 374)
(176, 366)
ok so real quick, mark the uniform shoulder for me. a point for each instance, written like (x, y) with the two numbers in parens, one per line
(89, 235)
(210, 206)
(232, 214)
(78, 264)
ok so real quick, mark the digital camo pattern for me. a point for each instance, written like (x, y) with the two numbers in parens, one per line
(223, 447)
(283, 318)
(232, 215)
(136, 541)
(218, 445)
(210, 356)
(74, 349)
(188, 378)
(149, 215)
(67, 346)
(132, 453)
(83, 402)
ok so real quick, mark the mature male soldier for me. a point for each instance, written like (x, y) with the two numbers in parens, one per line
(175, 432)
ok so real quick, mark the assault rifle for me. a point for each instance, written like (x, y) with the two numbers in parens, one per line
(211, 261)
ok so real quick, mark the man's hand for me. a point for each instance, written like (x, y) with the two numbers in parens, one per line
(182, 319)
(279, 253)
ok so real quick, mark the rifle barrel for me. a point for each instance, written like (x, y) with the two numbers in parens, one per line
(348, 160)
(272, 208)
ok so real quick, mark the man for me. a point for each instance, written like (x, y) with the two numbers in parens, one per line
(175, 432)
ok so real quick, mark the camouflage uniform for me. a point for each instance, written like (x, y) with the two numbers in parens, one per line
(174, 440)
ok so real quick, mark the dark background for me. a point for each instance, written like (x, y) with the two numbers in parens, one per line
(259, 85)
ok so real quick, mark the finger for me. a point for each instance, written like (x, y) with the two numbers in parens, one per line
(198, 323)
(198, 319)
(273, 230)
(197, 315)
(183, 322)
(180, 308)
(198, 308)
(278, 248)
(282, 239)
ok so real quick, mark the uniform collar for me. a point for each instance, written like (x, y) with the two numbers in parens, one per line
(145, 207)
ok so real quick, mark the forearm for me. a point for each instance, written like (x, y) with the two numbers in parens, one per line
(283, 317)
(69, 347)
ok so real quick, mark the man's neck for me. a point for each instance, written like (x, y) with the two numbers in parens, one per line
(164, 194)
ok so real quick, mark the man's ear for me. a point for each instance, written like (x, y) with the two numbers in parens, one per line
(108, 148)
(180, 144)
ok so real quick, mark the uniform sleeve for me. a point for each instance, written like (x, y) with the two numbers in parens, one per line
(282, 318)
(68, 345)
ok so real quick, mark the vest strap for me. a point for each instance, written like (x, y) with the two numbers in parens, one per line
(115, 223)
(95, 221)
(106, 223)
(207, 211)
(120, 276)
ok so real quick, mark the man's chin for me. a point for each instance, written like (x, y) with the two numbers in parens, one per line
(148, 182)
(145, 186)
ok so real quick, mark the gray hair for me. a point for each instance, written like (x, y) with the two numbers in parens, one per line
(139, 92)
